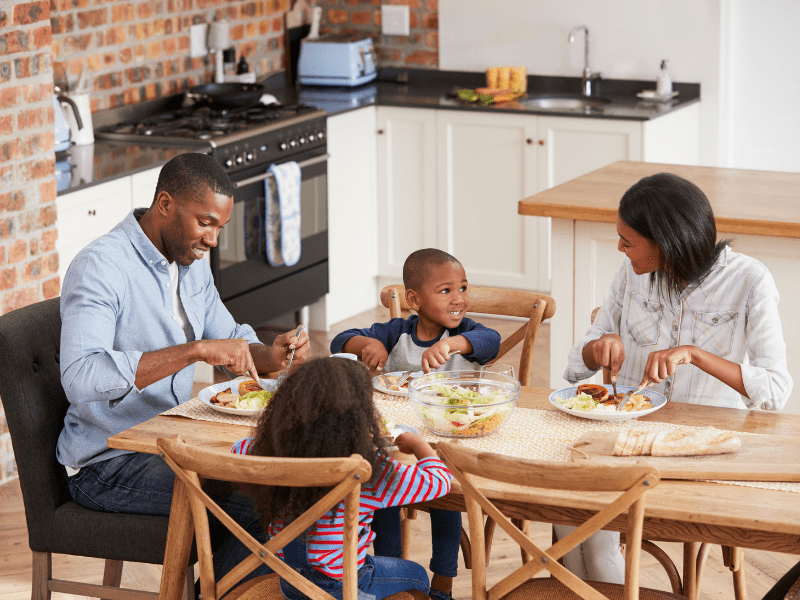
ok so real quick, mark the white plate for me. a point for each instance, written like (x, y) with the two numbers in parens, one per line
(377, 383)
(206, 394)
(656, 399)
(652, 95)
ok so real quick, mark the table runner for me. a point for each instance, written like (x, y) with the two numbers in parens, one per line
(528, 433)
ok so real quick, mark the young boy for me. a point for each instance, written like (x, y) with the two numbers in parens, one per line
(436, 288)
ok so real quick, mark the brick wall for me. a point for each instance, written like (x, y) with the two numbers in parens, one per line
(28, 260)
(137, 50)
(418, 50)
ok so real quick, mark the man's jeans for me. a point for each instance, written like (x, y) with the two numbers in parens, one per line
(142, 484)
(378, 578)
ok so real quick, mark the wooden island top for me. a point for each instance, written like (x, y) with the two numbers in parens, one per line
(744, 201)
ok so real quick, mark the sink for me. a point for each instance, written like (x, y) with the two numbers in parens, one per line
(581, 103)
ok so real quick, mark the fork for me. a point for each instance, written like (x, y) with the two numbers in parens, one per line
(628, 395)
(282, 374)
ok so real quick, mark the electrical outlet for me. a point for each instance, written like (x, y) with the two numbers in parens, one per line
(197, 40)
(395, 20)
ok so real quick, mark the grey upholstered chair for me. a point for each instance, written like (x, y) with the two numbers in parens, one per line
(35, 406)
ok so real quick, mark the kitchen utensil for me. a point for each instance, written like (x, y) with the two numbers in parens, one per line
(489, 401)
(79, 118)
(282, 375)
(340, 60)
(226, 95)
(628, 395)
(611, 413)
(614, 386)
(759, 458)
(403, 378)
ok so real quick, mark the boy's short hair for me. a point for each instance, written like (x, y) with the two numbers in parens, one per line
(419, 264)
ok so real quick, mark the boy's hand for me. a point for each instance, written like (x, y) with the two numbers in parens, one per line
(374, 355)
(435, 356)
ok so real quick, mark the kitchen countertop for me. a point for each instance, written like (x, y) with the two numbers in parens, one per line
(84, 166)
(744, 201)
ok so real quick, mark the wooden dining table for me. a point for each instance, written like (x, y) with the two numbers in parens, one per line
(676, 510)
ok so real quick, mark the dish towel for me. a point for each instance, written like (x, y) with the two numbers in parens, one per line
(282, 199)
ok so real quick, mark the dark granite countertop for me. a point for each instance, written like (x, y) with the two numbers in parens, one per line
(84, 166)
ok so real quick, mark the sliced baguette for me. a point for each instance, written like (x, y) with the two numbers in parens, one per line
(695, 443)
(620, 443)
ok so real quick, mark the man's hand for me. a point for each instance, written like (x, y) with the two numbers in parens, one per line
(233, 354)
(283, 345)
(607, 352)
(374, 354)
(435, 356)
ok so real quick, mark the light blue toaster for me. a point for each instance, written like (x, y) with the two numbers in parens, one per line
(341, 60)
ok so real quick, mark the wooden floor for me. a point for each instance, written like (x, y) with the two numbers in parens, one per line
(763, 568)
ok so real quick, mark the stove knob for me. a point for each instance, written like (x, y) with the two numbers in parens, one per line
(239, 160)
(320, 134)
(311, 137)
(248, 157)
(282, 146)
(229, 163)
(292, 143)
(302, 140)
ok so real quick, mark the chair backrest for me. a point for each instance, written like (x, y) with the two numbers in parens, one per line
(344, 475)
(606, 372)
(631, 481)
(35, 407)
(495, 301)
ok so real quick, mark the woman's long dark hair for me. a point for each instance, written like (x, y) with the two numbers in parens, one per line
(323, 409)
(676, 215)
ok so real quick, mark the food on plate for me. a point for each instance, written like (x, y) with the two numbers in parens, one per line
(386, 427)
(585, 403)
(250, 400)
(681, 442)
(395, 378)
(249, 385)
(598, 393)
(462, 414)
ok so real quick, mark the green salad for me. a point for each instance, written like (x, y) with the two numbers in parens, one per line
(461, 414)
(254, 400)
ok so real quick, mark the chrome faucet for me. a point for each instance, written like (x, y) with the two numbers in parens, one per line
(588, 76)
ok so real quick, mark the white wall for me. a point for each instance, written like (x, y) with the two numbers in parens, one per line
(764, 75)
(736, 50)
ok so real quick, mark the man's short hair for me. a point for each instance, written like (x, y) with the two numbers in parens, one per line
(418, 266)
(189, 175)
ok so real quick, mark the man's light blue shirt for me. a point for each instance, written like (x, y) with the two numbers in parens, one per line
(116, 304)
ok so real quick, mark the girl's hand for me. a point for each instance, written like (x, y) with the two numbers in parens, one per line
(663, 363)
(409, 442)
(607, 352)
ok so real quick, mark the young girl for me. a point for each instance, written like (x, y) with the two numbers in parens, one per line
(324, 409)
(684, 312)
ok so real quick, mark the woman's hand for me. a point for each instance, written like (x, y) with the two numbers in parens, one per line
(606, 352)
(663, 363)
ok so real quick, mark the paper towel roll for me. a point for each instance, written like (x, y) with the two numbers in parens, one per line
(219, 35)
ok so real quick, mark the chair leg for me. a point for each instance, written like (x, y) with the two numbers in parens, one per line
(524, 526)
(466, 549)
(734, 559)
(665, 561)
(112, 575)
(42, 573)
(188, 593)
(405, 530)
(690, 552)
(488, 536)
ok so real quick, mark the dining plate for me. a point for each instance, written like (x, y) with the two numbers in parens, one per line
(377, 383)
(206, 394)
(656, 399)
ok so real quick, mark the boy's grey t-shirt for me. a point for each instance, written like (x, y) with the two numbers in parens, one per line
(399, 337)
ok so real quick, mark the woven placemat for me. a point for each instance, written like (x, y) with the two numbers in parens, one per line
(528, 433)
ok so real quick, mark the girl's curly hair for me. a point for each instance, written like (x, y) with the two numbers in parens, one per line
(323, 409)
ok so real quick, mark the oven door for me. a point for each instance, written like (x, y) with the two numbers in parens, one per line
(253, 290)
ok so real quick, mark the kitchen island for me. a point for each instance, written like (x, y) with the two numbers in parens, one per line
(758, 210)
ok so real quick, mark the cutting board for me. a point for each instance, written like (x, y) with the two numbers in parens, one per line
(759, 458)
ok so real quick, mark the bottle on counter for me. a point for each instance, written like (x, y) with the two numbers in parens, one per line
(229, 61)
(242, 67)
(663, 81)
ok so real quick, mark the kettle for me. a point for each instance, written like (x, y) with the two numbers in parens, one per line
(79, 119)
(62, 139)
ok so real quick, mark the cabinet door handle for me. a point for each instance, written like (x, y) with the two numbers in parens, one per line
(92, 212)
(380, 131)
(541, 142)
(529, 141)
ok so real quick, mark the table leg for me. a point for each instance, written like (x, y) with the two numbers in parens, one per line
(179, 545)
(690, 588)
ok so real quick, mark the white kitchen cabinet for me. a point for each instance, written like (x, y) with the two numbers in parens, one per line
(407, 193)
(85, 215)
(352, 218)
(143, 187)
(452, 180)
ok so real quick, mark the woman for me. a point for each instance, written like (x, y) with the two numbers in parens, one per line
(685, 313)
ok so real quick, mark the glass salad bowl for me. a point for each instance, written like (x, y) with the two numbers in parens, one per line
(463, 403)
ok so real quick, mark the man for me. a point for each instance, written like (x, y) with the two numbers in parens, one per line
(138, 309)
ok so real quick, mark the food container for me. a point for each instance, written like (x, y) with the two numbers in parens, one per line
(463, 403)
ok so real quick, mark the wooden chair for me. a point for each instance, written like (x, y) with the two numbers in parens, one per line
(536, 308)
(694, 553)
(630, 482)
(35, 405)
(343, 475)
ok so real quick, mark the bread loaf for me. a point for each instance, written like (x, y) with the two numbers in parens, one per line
(682, 442)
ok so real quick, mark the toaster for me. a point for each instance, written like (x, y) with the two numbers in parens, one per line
(341, 60)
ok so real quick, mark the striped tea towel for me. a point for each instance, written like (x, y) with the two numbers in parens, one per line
(282, 198)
